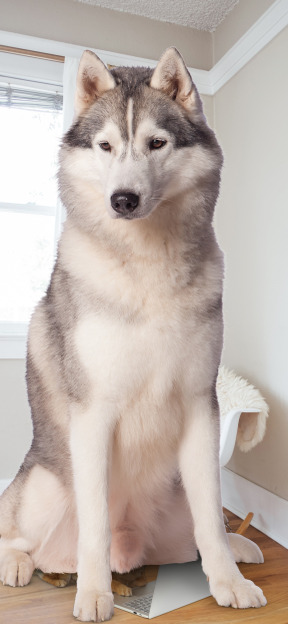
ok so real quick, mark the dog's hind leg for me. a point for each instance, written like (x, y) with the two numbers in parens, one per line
(30, 510)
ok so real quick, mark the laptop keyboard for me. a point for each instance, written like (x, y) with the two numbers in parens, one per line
(142, 603)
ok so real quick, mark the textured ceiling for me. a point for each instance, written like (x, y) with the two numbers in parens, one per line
(199, 14)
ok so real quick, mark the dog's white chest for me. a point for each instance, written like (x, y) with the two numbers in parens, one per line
(121, 358)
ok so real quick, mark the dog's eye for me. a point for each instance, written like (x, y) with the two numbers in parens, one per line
(105, 146)
(157, 144)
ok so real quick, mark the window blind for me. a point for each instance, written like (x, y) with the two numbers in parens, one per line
(29, 99)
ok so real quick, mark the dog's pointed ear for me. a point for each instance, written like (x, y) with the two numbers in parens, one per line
(172, 76)
(93, 79)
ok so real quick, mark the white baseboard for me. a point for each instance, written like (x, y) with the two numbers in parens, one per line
(270, 511)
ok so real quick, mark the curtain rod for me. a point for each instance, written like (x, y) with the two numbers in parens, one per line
(34, 54)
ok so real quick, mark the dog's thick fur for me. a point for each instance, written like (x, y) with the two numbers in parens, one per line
(124, 350)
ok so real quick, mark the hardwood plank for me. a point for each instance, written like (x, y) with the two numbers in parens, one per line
(40, 603)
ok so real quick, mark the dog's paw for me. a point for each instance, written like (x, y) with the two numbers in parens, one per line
(120, 589)
(238, 593)
(16, 568)
(93, 607)
(244, 550)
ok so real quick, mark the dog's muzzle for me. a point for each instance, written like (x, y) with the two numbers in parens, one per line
(124, 203)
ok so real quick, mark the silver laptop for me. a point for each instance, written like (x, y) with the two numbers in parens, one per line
(176, 585)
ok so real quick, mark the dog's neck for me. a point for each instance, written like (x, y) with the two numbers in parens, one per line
(173, 225)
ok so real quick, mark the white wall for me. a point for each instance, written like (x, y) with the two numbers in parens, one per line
(252, 223)
(15, 422)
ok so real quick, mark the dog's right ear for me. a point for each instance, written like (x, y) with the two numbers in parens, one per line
(93, 79)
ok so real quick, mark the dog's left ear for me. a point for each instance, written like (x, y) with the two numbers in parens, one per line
(171, 76)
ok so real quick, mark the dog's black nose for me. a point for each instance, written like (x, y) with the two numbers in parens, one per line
(123, 202)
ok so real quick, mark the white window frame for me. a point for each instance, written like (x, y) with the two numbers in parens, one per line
(48, 76)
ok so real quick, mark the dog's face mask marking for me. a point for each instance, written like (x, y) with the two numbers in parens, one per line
(133, 168)
(129, 121)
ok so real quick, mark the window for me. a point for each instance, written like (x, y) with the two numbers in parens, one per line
(31, 123)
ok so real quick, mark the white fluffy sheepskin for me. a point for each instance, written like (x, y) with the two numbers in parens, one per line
(234, 392)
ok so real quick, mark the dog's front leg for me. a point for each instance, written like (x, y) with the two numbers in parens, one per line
(90, 445)
(199, 465)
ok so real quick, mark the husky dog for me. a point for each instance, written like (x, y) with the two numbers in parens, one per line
(124, 349)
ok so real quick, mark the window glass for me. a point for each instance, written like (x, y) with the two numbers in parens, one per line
(30, 139)
(28, 155)
(26, 258)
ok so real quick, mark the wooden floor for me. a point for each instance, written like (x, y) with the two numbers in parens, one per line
(40, 603)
